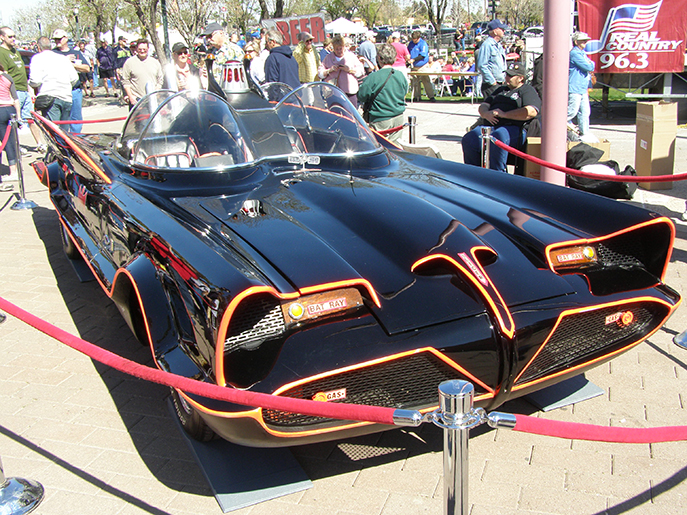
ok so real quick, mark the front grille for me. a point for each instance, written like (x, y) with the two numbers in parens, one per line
(255, 320)
(584, 336)
(408, 382)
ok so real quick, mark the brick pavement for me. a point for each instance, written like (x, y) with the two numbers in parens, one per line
(102, 442)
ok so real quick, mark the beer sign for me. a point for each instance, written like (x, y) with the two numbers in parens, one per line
(291, 27)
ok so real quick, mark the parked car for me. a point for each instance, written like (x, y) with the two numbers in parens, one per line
(533, 32)
(479, 27)
(283, 247)
(381, 35)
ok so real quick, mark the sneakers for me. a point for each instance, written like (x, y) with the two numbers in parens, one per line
(23, 150)
(432, 99)
(42, 148)
(12, 177)
(6, 187)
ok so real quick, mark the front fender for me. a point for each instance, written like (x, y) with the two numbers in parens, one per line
(144, 304)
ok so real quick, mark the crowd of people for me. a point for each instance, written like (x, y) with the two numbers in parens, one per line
(375, 75)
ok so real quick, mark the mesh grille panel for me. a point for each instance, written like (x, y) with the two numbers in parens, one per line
(409, 382)
(584, 336)
(618, 252)
(255, 320)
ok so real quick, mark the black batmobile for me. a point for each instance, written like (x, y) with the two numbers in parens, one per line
(283, 247)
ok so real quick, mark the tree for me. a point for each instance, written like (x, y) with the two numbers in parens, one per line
(265, 11)
(436, 10)
(520, 13)
(146, 12)
(190, 16)
(369, 11)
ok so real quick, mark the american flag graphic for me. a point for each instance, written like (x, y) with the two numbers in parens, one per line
(633, 18)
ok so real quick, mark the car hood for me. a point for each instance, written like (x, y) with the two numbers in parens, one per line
(323, 228)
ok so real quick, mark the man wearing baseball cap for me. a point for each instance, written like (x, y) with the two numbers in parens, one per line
(491, 58)
(579, 82)
(307, 58)
(507, 111)
(181, 73)
(368, 50)
(80, 64)
(220, 48)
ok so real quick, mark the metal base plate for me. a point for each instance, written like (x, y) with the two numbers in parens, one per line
(24, 204)
(574, 390)
(19, 496)
(681, 339)
(243, 476)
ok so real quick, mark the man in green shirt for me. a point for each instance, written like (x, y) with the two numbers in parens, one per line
(14, 66)
(383, 92)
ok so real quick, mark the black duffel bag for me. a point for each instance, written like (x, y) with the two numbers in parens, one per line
(583, 154)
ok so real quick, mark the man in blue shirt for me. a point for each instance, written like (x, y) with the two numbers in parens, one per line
(419, 56)
(491, 59)
(579, 77)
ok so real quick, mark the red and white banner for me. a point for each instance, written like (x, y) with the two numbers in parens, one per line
(290, 27)
(642, 36)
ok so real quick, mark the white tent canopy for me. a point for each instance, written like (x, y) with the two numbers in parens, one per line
(344, 26)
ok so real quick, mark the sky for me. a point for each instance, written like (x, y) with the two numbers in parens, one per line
(7, 8)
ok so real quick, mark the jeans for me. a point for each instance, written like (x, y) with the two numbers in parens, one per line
(25, 106)
(76, 113)
(578, 107)
(59, 111)
(6, 113)
(511, 135)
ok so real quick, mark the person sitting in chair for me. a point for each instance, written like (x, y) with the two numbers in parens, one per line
(507, 111)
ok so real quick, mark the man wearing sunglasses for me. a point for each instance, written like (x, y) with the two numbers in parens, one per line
(14, 66)
(181, 74)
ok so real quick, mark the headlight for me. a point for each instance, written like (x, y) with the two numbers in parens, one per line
(312, 307)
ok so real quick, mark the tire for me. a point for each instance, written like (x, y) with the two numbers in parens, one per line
(190, 420)
(68, 245)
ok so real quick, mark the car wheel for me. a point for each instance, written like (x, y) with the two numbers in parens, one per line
(190, 420)
(68, 245)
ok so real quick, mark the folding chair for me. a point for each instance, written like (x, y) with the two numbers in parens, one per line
(443, 86)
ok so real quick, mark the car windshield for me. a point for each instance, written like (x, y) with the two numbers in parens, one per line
(198, 129)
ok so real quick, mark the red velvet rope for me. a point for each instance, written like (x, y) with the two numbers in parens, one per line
(578, 173)
(576, 431)
(392, 130)
(338, 411)
(7, 136)
(104, 120)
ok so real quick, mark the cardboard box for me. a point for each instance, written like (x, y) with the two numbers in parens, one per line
(534, 149)
(655, 142)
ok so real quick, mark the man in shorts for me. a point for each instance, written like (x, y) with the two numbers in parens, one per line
(14, 66)
(105, 59)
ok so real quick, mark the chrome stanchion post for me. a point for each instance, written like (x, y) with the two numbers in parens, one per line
(22, 203)
(456, 417)
(412, 123)
(17, 495)
(486, 140)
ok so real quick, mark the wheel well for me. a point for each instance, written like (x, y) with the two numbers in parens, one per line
(125, 298)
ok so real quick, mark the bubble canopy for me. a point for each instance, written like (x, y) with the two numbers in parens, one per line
(198, 129)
